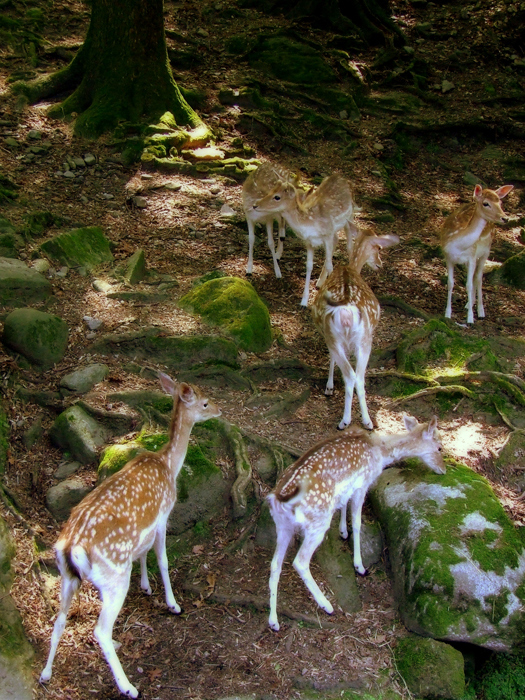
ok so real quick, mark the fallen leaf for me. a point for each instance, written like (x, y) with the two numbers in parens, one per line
(198, 549)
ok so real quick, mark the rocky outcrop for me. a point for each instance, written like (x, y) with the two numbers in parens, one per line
(39, 337)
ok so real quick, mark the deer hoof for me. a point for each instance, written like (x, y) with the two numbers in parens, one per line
(361, 570)
(275, 626)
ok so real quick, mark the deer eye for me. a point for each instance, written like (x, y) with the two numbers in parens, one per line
(277, 198)
(205, 404)
(486, 204)
(440, 449)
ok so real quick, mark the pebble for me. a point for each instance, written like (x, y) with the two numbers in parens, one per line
(34, 134)
(69, 173)
(202, 32)
(447, 86)
(173, 186)
(146, 176)
(84, 199)
(102, 286)
(89, 159)
(79, 162)
(62, 272)
(92, 323)
(105, 195)
(226, 210)
(10, 141)
(91, 335)
(40, 265)
(215, 190)
(140, 202)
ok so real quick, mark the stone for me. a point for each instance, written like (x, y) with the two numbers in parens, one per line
(82, 246)
(447, 86)
(133, 270)
(431, 669)
(102, 286)
(11, 142)
(458, 561)
(233, 305)
(40, 265)
(20, 285)
(38, 336)
(16, 654)
(337, 565)
(33, 434)
(173, 186)
(512, 271)
(66, 469)
(10, 245)
(69, 174)
(62, 497)
(92, 323)
(77, 432)
(83, 380)
(140, 202)
(89, 159)
(79, 162)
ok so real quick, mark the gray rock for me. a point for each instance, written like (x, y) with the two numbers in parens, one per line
(105, 195)
(40, 265)
(79, 433)
(34, 134)
(371, 543)
(173, 186)
(457, 559)
(102, 286)
(140, 202)
(69, 173)
(83, 380)
(20, 285)
(89, 159)
(79, 162)
(92, 323)
(62, 272)
(62, 497)
(40, 337)
(33, 434)
(133, 270)
(337, 565)
(66, 469)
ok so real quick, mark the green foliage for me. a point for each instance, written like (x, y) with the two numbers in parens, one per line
(502, 678)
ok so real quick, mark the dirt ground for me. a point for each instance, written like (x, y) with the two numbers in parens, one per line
(221, 644)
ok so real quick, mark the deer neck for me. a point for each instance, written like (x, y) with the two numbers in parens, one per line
(175, 451)
(394, 448)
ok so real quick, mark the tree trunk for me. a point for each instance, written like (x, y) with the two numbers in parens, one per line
(121, 72)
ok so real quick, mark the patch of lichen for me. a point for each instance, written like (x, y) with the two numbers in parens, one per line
(233, 305)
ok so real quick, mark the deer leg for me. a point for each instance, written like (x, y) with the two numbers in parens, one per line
(343, 528)
(251, 241)
(362, 357)
(113, 596)
(478, 282)
(69, 587)
(357, 501)
(450, 287)
(329, 390)
(271, 246)
(284, 536)
(351, 231)
(312, 540)
(309, 268)
(144, 582)
(162, 558)
(470, 290)
(349, 378)
(328, 256)
(282, 235)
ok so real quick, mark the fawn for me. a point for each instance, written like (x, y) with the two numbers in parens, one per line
(466, 237)
(324, 479)
(257, 185)
(347, 312)
(119, 522)
(315, 217)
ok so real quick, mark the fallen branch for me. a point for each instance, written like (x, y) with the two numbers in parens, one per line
(402, 375)
(431, 390)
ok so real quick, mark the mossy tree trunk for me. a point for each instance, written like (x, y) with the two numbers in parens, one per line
(121, 72)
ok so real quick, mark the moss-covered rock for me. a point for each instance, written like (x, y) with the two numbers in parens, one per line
(21, 285)
(84, 379)
(133, 270)
(431, 669)
(79, 433)
(64, 496)
(10, 242)
(86, 247)
(502, 678)
(337, 565)
(40, 337)
(513, 271)
(233, 305)
(175, 352)
(457, 559)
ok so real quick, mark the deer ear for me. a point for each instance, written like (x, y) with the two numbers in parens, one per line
(431, 426)
(186, 392)
(503, 191)
(388, 240)
(167, 383)
(477, 191)
(410, 422)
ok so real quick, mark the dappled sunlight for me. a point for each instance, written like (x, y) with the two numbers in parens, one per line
(460, 440)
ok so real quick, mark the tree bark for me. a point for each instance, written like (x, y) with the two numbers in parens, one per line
(121, 72)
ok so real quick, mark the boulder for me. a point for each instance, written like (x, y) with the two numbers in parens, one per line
(133, 270)
(431, 669)
(10, 242)
(38, 336)
(336, 563)
(232, 304)
(512, 271)
(79, 433)
(83, 380)
(86, 247)
(20, 285)
(458, 561)
(62, 497)
(16, 653)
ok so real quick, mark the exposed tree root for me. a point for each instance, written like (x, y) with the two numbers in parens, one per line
(402, 375)
(258, 604)
(243, 469)
(387, 300)
(431, 390)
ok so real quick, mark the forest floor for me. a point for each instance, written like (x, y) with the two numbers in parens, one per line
(218, 648)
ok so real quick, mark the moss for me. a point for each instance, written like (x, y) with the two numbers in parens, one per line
(115, 457)
(152, 441)
(502, 678)
(499, 605)
(197, 467)
(37, 222)
(290, 60)
(39, 337)
(431, 668)
(513, 271)
(84, 246)
(233, 305)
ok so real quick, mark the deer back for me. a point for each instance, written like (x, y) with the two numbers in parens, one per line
(317, 477)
